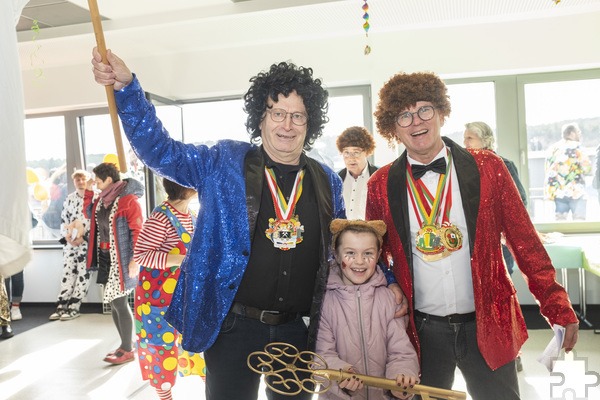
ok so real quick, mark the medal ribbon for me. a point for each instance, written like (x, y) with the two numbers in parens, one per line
(421, 199)
(282, 209)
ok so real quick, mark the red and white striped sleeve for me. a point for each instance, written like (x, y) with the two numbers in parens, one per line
(157, 238)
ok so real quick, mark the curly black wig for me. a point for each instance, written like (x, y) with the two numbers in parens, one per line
(284, 78)
(403, 91)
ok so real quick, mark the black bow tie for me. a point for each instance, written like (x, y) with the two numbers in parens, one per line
(438, 166)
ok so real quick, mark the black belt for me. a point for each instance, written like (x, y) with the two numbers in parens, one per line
(451, 319)
(265, 316)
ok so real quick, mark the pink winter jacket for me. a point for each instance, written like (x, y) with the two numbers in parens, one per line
(358, 330)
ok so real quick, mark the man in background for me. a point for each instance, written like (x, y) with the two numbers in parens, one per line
(76, 277)
(566, 167)
(355, 144)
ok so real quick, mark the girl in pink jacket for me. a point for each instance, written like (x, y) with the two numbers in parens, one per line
(358, 331)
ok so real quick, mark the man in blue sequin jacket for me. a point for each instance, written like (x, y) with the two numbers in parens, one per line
(258, 263)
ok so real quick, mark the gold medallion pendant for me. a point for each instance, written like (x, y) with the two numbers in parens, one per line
(285, 234)
(429, 242)
(452, 237)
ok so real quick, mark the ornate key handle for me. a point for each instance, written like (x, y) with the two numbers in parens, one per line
(282, 364)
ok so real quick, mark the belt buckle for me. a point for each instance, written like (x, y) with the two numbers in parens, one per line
(267, 312)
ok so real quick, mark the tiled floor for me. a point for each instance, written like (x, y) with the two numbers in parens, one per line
(63, 360)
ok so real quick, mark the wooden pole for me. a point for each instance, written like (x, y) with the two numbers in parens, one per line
(110, 94)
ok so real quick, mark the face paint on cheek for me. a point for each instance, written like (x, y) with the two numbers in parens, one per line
(344, 265)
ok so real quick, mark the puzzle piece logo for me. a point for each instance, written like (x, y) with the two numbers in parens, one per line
(572, 378)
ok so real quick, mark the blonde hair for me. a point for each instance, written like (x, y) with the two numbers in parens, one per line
(483, 132)
(80, 172)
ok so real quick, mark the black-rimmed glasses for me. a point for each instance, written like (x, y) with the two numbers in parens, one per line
(406, 118)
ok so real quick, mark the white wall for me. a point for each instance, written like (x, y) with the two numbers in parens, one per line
(42, 278)
(562, 43)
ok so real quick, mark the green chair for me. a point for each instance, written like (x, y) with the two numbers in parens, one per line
(565, 258)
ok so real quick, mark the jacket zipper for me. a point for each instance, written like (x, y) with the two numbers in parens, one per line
(362, 338)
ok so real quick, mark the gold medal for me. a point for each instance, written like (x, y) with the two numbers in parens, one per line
(285, 231)
(436, 257)
(451, 237)
(285, 234)
(428, 240)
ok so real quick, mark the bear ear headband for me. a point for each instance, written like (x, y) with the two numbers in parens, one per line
(377, 226)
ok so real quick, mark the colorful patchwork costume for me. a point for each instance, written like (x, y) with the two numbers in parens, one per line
(160, 356)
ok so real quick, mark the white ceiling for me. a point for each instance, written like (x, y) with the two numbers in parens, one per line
(165, 26)
(149, 31)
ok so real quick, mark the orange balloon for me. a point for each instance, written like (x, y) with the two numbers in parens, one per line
(111, 158)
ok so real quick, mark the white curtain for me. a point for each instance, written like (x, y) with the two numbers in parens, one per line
(15, 218)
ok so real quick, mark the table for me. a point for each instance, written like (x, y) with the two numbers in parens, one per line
(576, 252)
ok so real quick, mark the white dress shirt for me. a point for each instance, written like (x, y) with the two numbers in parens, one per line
(445, 286)
(355, 194)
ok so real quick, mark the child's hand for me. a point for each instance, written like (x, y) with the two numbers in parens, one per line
(404, 382)
(351, 384)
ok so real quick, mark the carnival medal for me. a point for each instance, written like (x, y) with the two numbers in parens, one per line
(285, 231)
(434, 240)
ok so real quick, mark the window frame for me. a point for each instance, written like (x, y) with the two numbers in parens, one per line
(511, 128)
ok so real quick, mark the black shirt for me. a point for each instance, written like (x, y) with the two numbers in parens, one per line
(283, 280)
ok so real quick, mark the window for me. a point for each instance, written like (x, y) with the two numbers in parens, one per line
(46, 159)
(470, 102)
(347, 107)
(99, 146)
(561, 168)
(207, 122)
(528, 112)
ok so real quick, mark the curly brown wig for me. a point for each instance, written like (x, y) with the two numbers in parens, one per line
(356, 136)
(403, 91)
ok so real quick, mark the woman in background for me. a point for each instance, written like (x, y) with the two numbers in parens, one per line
(115, 223)
(160, 249)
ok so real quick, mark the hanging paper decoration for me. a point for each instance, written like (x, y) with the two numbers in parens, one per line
(34, 56)
(366, 26)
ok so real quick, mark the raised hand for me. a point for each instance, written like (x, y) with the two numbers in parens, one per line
(114, 73)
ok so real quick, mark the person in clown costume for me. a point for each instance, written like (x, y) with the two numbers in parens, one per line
(160, 249)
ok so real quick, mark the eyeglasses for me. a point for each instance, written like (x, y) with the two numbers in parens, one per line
(279, 115)
(351, 154)
(406, 118)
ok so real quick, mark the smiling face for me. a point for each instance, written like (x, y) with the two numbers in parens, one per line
(284, 141)
(357, 254)
(80, 182)
(422, 139)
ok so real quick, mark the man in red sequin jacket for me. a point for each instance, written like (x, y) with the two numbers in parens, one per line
(443, 245)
